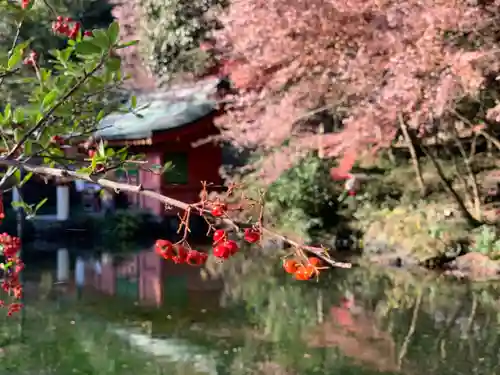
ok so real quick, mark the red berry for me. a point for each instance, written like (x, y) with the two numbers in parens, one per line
(68, 19)
(180, 254)
(305, 272)
(195, 258)
(73, 33)
(57, 139)
(219, 235)
(290, 266)
(221, 251)
(164, 248)
(59, 18)
(252, 235)
(91, 153)
(88, 33)
(218, 210)
(301, 273)
(25, 4)
(316, 262)
(232, 247)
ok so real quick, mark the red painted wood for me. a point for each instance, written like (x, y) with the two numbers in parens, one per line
(204, 163)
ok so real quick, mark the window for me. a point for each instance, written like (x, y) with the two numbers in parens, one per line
(178, 172)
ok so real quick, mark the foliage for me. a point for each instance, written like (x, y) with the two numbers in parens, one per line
(487, 242)
(36, 27)
(359, 69)
(304, 199)
(172, 33)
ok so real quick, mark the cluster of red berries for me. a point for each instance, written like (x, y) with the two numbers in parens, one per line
(12, 267)
(68, 27)
(179, 254)
(302, 270)
(223, 248)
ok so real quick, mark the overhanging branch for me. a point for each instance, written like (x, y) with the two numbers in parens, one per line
(167, 201)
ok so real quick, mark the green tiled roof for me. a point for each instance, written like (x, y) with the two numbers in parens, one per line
(179, 106)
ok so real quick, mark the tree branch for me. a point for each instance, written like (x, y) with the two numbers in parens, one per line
(167, 201)
(47, 114)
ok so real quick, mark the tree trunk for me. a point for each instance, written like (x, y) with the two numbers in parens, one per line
(414, 157)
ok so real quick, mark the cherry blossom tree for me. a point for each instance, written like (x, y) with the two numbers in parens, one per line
(371, 66)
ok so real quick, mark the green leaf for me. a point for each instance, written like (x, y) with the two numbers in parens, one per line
(26, 178)
(127, 44)
(167, 167)
(113, 64)
(133, 101)
(50, 98)
(18, 204)
(40, 204)
(18, 134)
(100, 115)
(100, 39)
(28, 147)
(65, 54)
(87, 48)
(113, 31)
(19, 115)
(17, 176)
(15, 58)
(102, 150)
(7, 112)
(84, 170)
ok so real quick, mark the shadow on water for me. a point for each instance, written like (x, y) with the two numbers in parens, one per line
(363, 321)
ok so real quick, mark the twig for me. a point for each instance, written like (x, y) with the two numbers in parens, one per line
(411, 330)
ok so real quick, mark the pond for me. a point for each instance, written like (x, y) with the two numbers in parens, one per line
(361, 321)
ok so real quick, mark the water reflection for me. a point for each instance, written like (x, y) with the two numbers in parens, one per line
(362, 321)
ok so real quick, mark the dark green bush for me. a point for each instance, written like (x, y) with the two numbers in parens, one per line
(304, 200)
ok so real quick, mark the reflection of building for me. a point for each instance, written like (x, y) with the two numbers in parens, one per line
(149, 279)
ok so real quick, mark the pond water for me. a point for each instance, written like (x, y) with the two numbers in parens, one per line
(361, 321)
